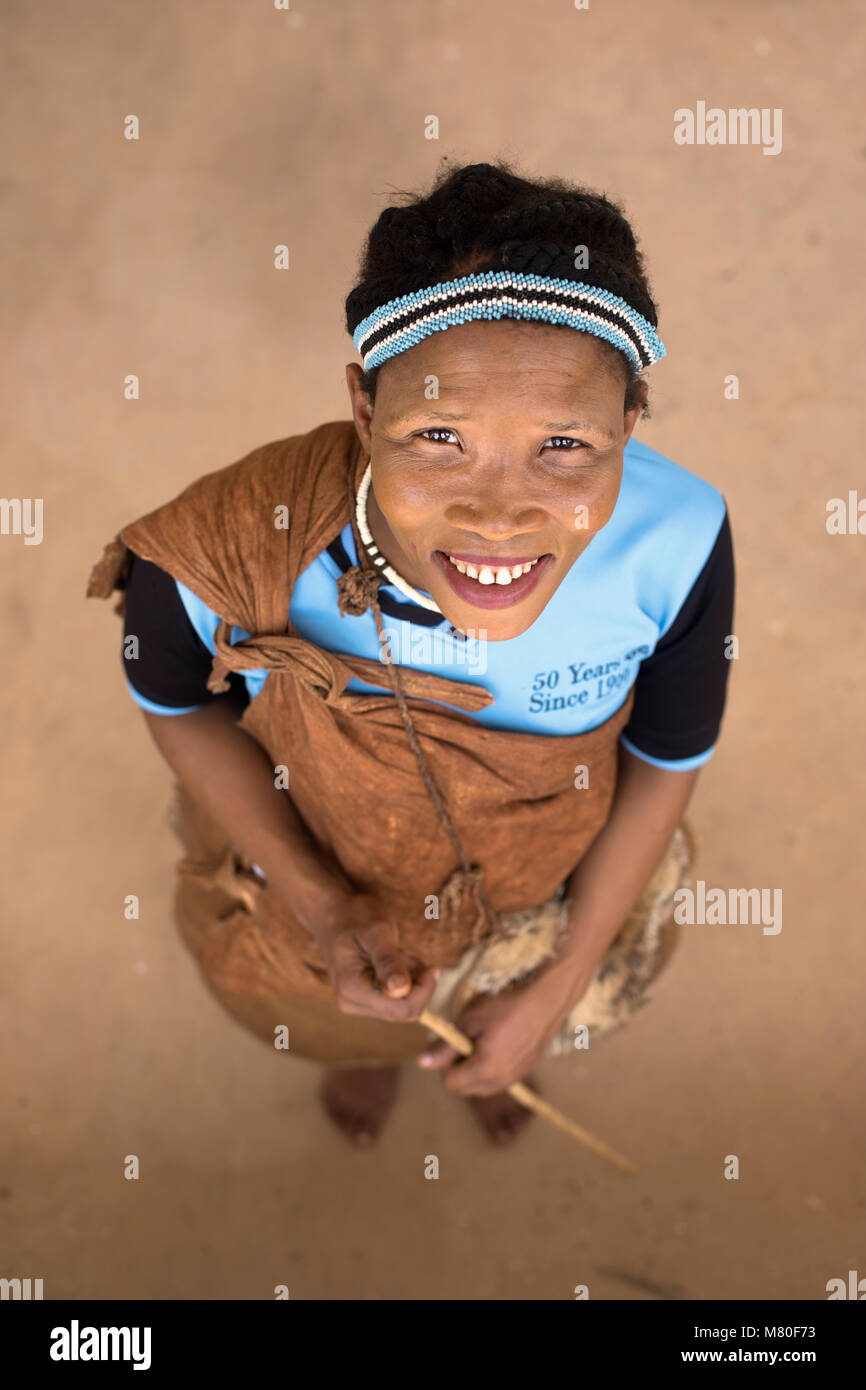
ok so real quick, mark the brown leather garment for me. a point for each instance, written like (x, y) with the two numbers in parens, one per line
(353, 776)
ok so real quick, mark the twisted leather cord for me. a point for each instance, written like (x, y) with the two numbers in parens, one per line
(357, 589)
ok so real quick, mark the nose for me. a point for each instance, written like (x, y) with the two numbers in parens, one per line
(496, 508)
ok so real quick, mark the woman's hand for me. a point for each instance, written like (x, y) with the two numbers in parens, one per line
(510, 1031)
(370, 973)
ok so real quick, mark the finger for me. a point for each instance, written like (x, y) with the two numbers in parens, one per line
(439, 1054)
(408, 1009)
(378, 944)
(473, 1083)
(356, 992)
(472, 1021)
(392, 967)
(477, 1075)
(354, 983)
(355, 988)
(419, 996)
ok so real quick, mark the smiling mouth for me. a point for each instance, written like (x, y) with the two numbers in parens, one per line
(491, 571)
(491, 581)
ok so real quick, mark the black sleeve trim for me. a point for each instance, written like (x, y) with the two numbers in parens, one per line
(173, 663)
(681, 688)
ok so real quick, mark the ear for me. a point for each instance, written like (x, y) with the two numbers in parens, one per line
(629, 422)
(362, 406)
(632, 416)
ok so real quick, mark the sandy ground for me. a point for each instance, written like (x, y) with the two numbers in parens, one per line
(154, 257)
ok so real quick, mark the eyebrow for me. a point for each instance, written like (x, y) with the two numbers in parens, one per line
(441, 415)
(584, 426)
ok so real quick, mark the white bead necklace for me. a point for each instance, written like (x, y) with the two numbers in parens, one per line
(375, 553)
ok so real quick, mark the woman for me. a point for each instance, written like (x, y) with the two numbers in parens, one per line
(437, 683)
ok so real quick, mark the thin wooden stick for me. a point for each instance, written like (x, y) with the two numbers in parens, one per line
(446, 1030)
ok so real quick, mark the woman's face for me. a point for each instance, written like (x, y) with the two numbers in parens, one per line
(496, 445)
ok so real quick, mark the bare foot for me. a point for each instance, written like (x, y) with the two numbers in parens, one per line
(501, 1116)
(358, 1100)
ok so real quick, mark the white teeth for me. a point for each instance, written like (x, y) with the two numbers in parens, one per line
(486, 575)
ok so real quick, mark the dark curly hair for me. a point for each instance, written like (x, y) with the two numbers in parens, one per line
(479, 217)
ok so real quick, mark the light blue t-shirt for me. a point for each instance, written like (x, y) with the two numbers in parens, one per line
(573, 668)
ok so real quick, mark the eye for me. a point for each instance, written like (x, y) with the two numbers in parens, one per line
(425, 434)
(563, 439)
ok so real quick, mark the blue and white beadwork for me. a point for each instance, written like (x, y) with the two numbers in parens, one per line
(401, 323)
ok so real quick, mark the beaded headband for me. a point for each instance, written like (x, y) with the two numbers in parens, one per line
(401, 323)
